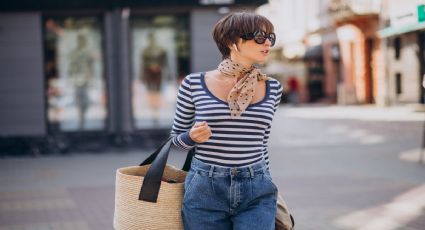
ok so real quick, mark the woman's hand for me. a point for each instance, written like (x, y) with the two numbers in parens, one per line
(200, 132)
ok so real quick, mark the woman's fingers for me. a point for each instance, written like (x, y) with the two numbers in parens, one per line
(204, 134)
(200, 132)
(199, 128)
(197, 124)
(200, 123)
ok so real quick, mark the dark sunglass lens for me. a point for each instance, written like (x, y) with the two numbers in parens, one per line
(260, 37)
(272, 38)
(257, 32)
(260, 40)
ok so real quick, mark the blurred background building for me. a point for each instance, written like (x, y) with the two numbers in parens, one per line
(105, 72)
(352, 51)
(403, 35)
(91, 73)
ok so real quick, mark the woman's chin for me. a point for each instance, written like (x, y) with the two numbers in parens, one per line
(261, 62)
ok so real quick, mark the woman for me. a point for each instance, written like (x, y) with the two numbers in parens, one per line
(226, 114)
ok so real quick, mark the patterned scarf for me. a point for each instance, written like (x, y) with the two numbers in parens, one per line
(243, 92)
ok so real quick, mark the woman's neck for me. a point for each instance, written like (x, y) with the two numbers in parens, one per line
(240, 60)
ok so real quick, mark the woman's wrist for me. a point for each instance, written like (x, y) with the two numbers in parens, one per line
(187, 139)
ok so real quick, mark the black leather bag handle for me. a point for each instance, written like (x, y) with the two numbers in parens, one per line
(152, 180)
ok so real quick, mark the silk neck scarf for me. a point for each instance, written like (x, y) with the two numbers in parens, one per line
(243, 91)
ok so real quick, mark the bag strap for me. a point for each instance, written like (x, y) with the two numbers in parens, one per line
(152, 157)
(152, 180)
(188, 161)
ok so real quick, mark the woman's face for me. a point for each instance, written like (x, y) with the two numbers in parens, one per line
(251, 52)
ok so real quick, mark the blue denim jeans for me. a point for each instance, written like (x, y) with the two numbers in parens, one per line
(222, 198)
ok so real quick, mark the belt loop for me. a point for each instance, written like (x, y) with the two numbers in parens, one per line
(251, 171)
(211, 171)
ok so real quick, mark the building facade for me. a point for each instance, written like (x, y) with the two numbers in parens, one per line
(293, 20)
(403, 33)
(352, 50)
(80, 69)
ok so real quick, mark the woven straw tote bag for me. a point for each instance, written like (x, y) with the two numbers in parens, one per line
(149, 196)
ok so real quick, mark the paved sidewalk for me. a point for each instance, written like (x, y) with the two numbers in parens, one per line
(71, 192)
(339, 168)
(356, 112)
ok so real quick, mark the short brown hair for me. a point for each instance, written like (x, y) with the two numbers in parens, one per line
(229, 29)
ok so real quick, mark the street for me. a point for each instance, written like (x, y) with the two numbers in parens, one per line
(343, 174)
(337, 168)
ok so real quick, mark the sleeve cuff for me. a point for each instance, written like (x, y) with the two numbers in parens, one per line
(185, 137)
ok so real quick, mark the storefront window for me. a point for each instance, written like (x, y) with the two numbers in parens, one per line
(76, 97)
(160, 60)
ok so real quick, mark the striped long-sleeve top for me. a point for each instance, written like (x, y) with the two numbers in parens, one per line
(234, 142)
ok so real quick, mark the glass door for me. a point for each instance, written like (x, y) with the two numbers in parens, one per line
(160, 60)
(74, 71)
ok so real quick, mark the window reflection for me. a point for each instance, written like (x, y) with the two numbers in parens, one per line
(160, 58)
(74, 72)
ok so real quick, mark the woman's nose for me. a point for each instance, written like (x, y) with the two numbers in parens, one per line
(268, 42)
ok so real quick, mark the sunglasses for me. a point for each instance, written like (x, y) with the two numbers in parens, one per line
(260, 37)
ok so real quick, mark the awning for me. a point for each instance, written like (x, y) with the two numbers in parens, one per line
(31, 5)
(393, 31)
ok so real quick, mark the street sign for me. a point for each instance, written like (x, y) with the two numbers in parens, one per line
(421, 13)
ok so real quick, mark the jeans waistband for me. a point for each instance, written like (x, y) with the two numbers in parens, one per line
(244, 171)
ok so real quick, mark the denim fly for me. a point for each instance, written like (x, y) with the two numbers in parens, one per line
(224, 198)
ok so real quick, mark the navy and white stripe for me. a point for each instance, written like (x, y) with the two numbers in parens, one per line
(234, 142)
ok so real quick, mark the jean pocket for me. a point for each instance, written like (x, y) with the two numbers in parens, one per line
(269, 179)
(190, 179)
